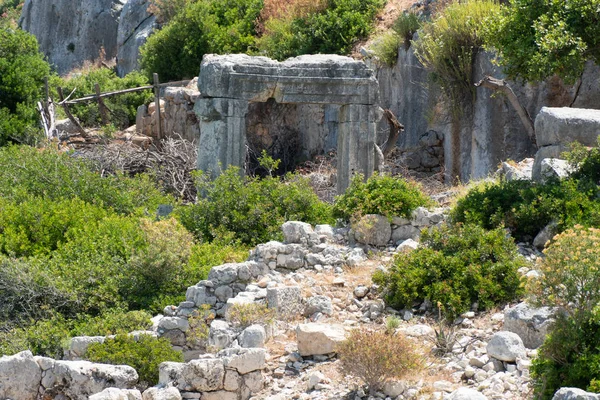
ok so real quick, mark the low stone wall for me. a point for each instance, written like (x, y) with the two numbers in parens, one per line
(231, 374)
(177, 114)
(25, 377)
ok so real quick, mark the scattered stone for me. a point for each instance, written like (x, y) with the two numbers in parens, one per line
(360, 291)
(419, 330)
(118, 394)
(545, 235)
(316, 339)
(506, 346)
(161, 393)
(318, 304)
(253, 336)
(394, 388)
(466, 394)
(574, 394)
(314, 379)
(407, 245)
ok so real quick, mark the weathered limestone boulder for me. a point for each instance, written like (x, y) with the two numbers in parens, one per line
(317, 339)
(318, 304)
(161, 393)
(517, 171)
(373, 229)
(466, 394)
(287, 301)
(545, 235)
(506, 346)
(79, 345)
(78, 380)
(71, 32)
(20, 377)
(554, 168)
(220, 334)
(574, 394)
(531, 324)
(244, 360)
(195, 376)
(253, 336)
(135, 25)
(298, 232)
(556, 128)
(117, 394)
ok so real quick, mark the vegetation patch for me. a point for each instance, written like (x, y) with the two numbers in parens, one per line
(380, 194)
(457, 267)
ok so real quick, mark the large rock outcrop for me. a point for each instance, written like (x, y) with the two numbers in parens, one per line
(72, 32)
(489, 130)
(135, 25)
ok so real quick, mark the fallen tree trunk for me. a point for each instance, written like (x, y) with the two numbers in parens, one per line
(501, 85)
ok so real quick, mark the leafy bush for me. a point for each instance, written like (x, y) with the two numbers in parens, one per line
(208, 26)
(54, 175)
(123, 108)
(38, 225)
(144, 354)
(380, 194)
(206, 255)
(447, 46)
(49, 337)
(377, 357)
(456, 267)
(537, 39)
(525, 207)
(570, 273)
(166, 10)
(569, 357)
(332, 28)
(251, 208)
(244, 315)
(22, 72)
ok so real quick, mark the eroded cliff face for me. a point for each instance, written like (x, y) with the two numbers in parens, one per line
(488, 130)
(72, 32)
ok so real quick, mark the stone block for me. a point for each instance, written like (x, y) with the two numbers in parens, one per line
(506, 346)
(566, 125)
(287, 301)
(372, 229)
(318, 339)
(529, 323)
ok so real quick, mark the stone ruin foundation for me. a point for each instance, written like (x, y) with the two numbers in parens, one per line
(230, 84)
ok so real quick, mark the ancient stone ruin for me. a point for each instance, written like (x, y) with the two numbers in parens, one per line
(229, 84)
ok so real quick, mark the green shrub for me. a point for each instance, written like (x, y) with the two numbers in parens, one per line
(199, 320)
(525, 207)
(253, 209)
(48, 338)
(380, 194)
(144, 354)
(569, 357)
(208, 26)
(447, 46)
(48, 173)
(406, 25)
(111, 322)
(456, 267)
(334, 28)
(123, 108)
(29, 292)
(377, 357)
(206, 255)
(537, 39)
(570, 281)
(570, 273)
(386, 47)
(22, 72)
(38, 225)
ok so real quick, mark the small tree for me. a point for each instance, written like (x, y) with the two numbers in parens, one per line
(377, 357)
(22, 72)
